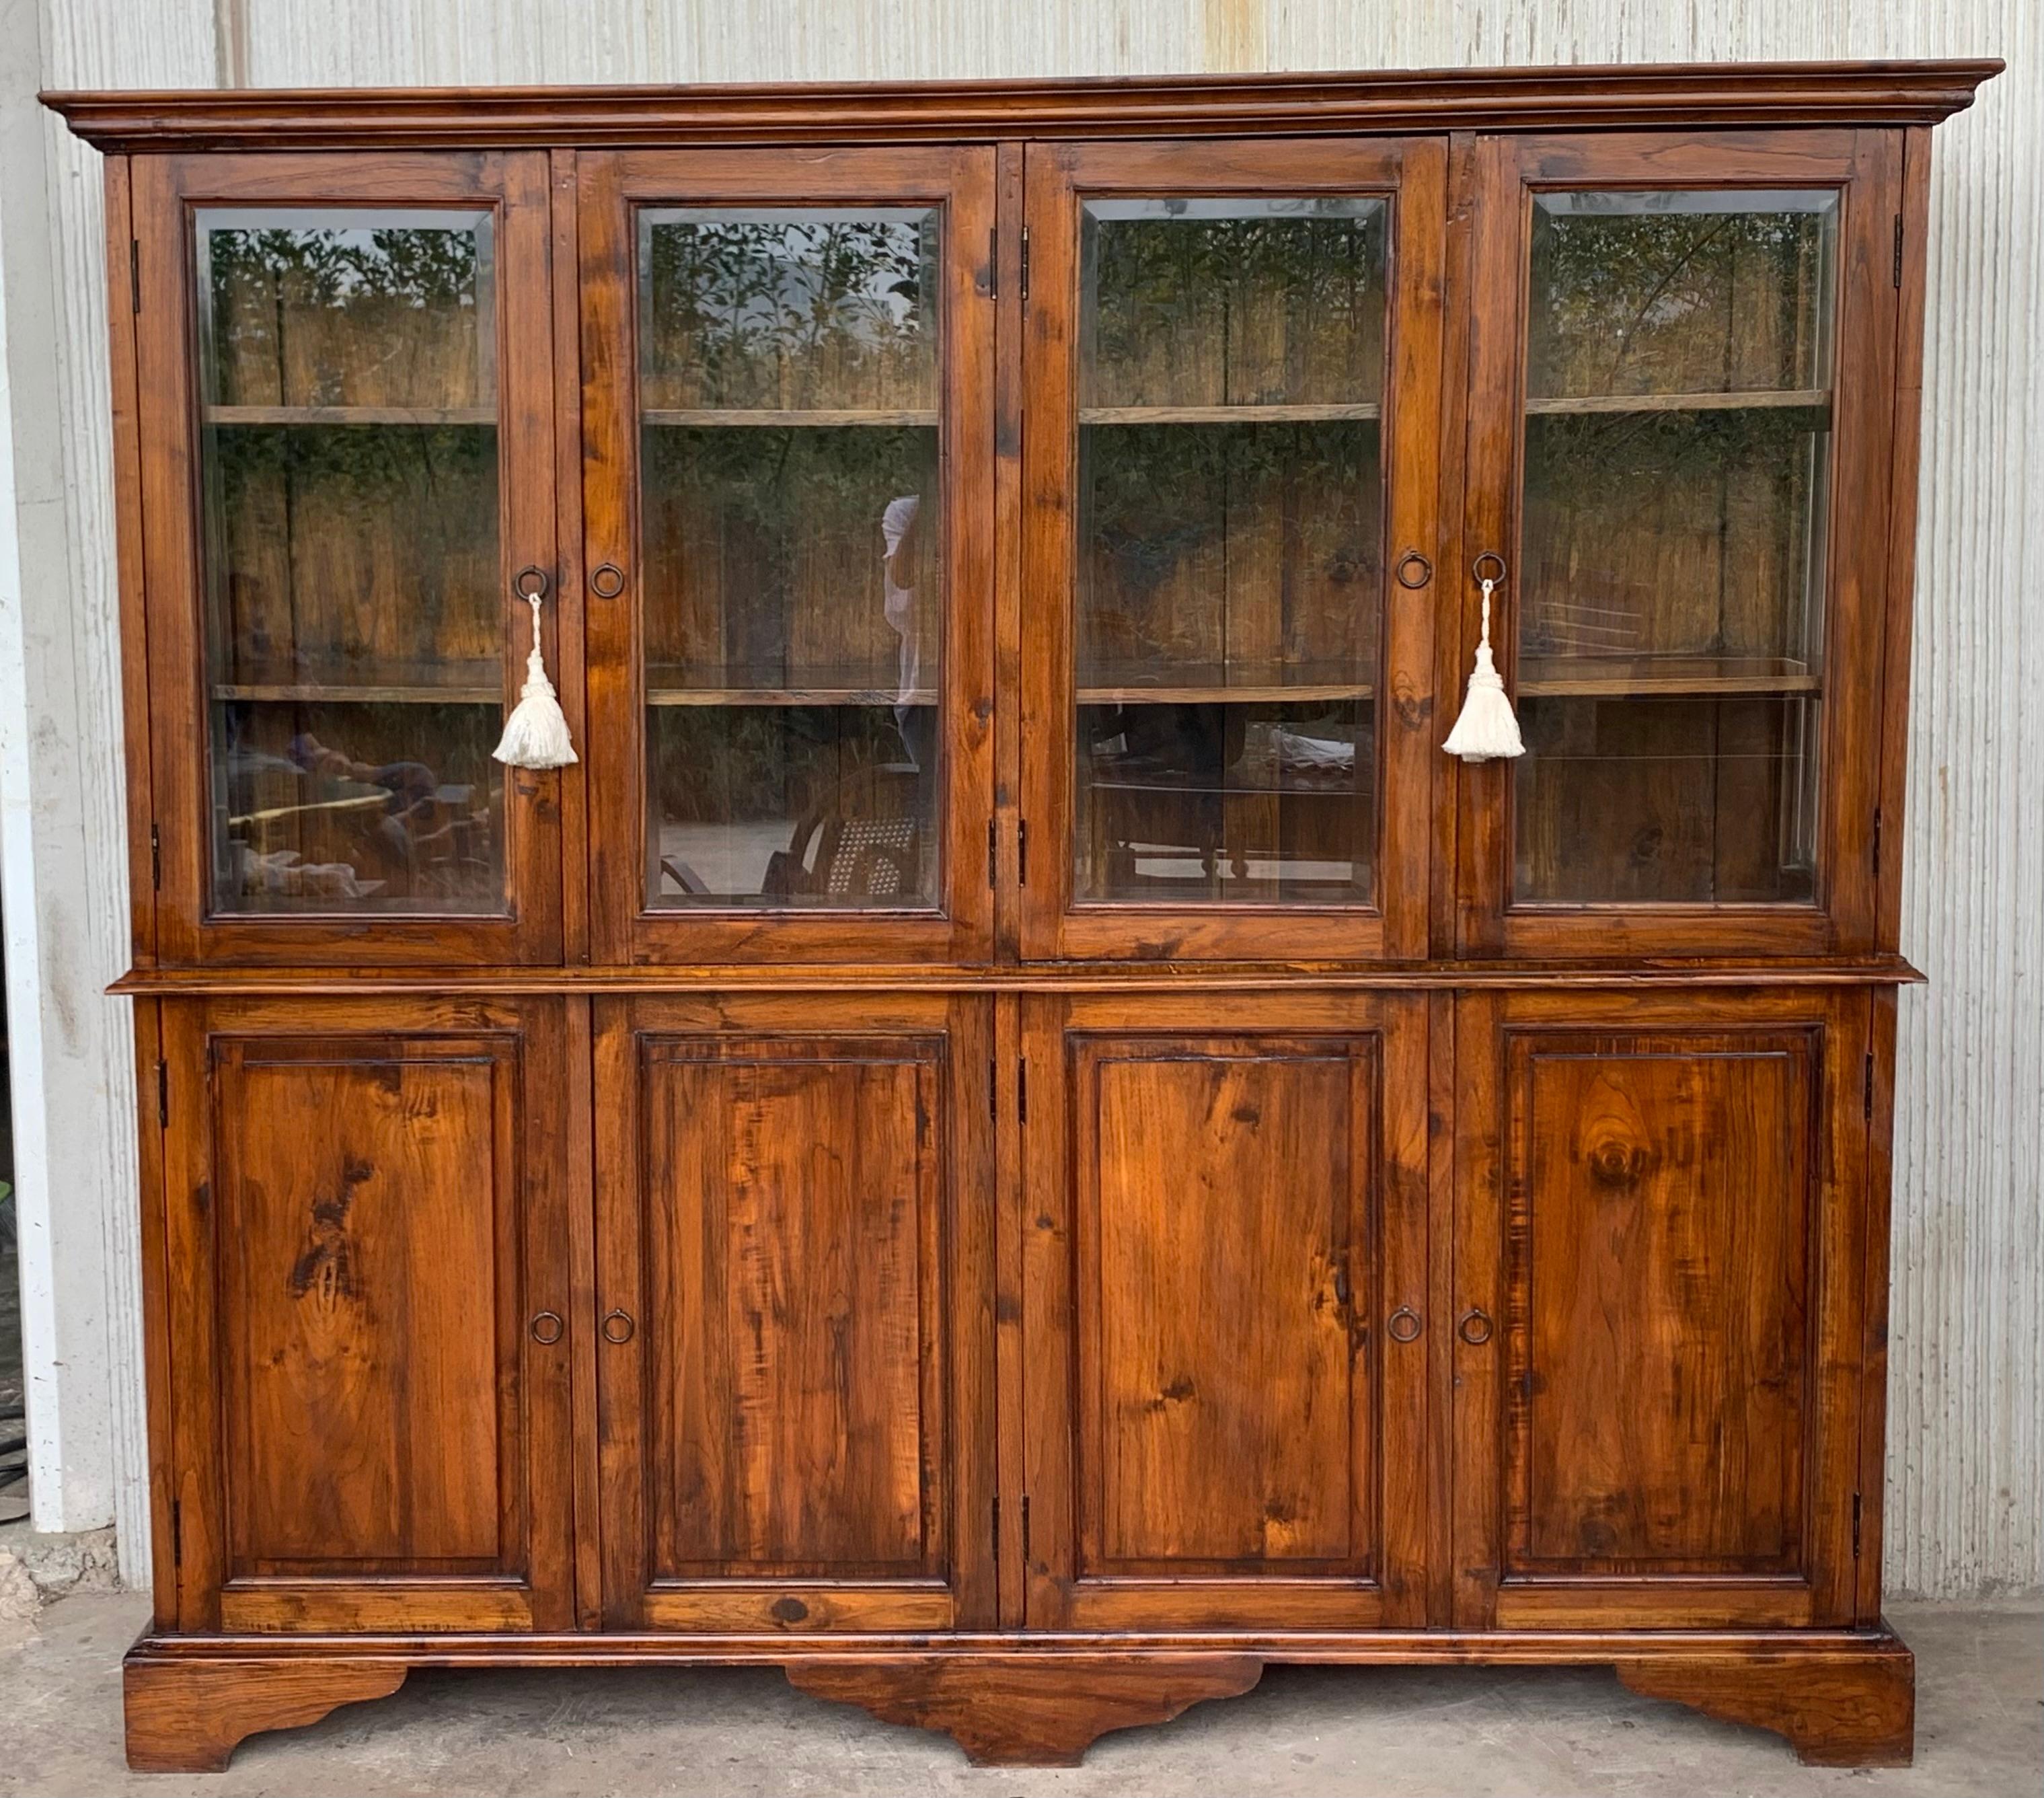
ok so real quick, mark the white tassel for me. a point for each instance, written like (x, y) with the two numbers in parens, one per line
(1487, 730)
(536, 735)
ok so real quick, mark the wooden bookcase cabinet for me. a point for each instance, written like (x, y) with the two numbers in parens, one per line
(1014, 1138)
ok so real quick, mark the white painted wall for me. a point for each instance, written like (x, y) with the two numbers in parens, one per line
(1966, 1466)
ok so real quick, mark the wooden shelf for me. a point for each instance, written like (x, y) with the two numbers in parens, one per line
(815, 418)
(429, 415)
(1787, 399)
(1318, 692)
(1556, 677)
(788, 696)
(1228, 414)
(326, 693)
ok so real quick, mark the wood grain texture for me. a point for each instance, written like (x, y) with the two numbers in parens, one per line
(1030, 1710)
(188, 1716)
(1852, 1709)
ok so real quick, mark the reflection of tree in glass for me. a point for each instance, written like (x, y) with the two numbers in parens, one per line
(807, 311)
(1674, 302)
(1233, 311)
(345, 316)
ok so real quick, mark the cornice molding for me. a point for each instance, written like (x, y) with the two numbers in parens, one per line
(1624, 97)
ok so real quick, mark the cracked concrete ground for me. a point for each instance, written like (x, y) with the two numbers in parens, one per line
(1467, 1732)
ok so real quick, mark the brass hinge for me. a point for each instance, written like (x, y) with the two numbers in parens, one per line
(1876, 842)
(162, 1094)
(156, 859)
(993, 856)
(134, 275)
(1898, 249)
(993, 1089)
(1021, 852)
(1021, 1090)
(992, 262)
(1856, 1512)
(1869, 1086)
(1025, 263)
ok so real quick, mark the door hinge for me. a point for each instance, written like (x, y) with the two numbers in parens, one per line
(1876, 842)
(177, 1532)
(1025, 263)
(1856, 1517)
(134, 275)
(1025, 1532)
(1021, 852)
(994, 262)
(162, 1094)
(997, 1529)
(1867, 1097)
(992, 852)
(156, 859)
(1898, 249)
(1022, 1090)
(993, 1089)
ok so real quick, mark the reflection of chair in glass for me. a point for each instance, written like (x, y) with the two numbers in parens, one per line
(864, 841)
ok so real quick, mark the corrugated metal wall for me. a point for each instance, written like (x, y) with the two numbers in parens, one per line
(1967, 1452)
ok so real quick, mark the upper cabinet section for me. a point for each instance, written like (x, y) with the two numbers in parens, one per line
(1680, 419)
(787, 409)
(1232, 396)
(1037, 521)
(346, 358)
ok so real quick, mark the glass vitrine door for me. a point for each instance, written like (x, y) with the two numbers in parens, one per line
(1232, 353)
(1690, 512)
(352, 361)
(788, 379)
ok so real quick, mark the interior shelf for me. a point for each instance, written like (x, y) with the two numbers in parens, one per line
(346, 693)
(1228, 414)
(1765, 399)
(421, 415)
(1662, 677)
(788, 696)
(816, 418)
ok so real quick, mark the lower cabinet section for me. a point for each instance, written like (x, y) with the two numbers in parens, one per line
(1024, 1365)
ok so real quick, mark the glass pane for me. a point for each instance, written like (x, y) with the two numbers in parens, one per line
(1230, 554)
(1670, 671)
(354, 635)
(793, 556)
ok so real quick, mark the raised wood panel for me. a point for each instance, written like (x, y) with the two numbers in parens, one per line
(367, 1215)
(794, 1420)
(1221, 1430)
(1660, 1216)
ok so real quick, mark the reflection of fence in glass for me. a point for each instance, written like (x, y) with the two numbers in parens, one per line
(788, 310)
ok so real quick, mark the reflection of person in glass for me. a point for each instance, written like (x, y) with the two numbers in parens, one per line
(901, 539)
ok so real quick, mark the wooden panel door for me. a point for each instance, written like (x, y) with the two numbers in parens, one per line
(788, 443)
(795, 1371)
(1225, 1323)
(347, 432)
(1232, 356)
(1660, 1243)
(1681, 404)
(367, 1230)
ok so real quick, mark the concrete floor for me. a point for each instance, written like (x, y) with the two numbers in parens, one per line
(1465, 1732)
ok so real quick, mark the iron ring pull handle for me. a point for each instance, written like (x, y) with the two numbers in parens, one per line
(1404, 1325)
(617, 1327)
(547, 1328)
(531, 582)
(1475, 1328)
(606, 580)
(1496, 561)
(1413, 570)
